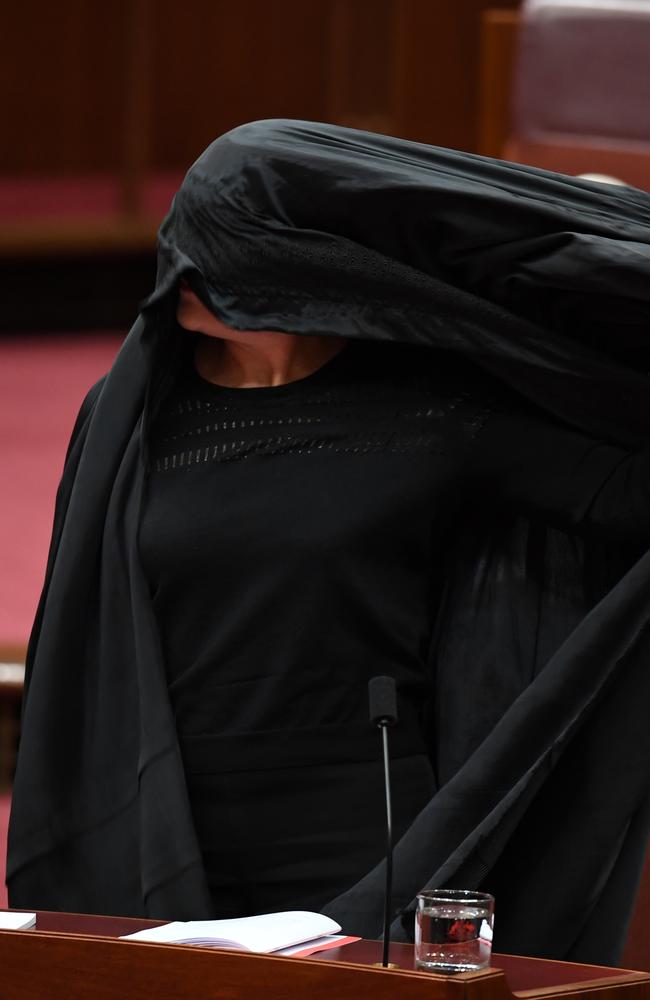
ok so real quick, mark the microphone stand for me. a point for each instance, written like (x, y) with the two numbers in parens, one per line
(383, 713)
(384, 724)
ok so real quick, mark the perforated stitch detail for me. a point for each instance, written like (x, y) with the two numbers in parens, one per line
(358, 444)
(403, 432)
(392, 412)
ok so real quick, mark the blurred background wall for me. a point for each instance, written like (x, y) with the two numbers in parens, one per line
(107, 104)
(72, 69)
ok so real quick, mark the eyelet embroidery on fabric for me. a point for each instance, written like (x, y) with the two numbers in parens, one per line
(238, 450)
(397, 421)
(403, 441)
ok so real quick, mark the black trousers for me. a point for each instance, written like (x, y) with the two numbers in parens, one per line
(295, 837)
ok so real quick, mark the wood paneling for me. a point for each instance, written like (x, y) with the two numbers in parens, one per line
(496, 72)
(436, 87)
(38, 964)
(362, 63)
(62, 81)
(78, 76)
(218, 64)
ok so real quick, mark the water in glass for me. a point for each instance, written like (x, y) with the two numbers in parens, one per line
(453, 937)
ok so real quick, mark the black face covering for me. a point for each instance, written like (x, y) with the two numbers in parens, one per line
(542, 280)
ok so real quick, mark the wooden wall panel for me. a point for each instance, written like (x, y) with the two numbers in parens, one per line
(218, 64)
(409, 67)
(496, 74)
(436, 86)
(62, 81)
(361, 63)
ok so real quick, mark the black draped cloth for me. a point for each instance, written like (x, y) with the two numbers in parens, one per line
(540, 661)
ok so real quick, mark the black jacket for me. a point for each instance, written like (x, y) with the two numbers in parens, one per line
(542, 280)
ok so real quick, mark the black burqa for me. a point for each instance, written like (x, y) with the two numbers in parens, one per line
(540, 666)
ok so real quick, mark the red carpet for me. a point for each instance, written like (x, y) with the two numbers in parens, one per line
(42, 383)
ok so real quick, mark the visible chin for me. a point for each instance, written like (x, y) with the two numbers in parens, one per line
(188, 321)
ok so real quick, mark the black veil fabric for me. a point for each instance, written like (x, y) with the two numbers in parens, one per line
(539, 675)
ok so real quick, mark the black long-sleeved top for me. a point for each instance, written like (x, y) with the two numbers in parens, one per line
(293, 537)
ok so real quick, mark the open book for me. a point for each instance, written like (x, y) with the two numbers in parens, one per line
(294, 932)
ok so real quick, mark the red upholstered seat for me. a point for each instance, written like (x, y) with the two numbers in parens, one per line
(582, 88)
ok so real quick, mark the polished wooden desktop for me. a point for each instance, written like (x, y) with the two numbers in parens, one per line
(73, 956)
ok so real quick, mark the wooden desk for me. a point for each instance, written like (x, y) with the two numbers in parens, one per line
(75, 956)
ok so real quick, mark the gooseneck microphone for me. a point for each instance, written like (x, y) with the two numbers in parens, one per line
(382, 698)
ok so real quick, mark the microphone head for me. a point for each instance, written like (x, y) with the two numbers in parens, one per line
(382, 698)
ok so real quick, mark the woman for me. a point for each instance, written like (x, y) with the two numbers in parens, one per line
(301, 570)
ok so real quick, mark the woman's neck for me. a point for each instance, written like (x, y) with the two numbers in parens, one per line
(263, 359)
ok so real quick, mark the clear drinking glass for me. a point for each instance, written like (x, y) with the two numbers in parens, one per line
(453, 930)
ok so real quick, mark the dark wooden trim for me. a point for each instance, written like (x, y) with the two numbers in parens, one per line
(496, 71)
